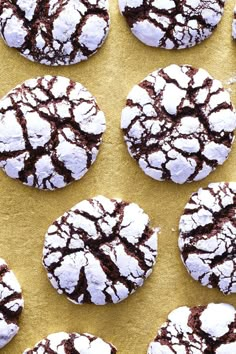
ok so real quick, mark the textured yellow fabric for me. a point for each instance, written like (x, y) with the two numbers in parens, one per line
(25, 213)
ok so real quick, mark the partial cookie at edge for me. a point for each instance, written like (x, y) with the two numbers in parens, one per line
(234, 25)
(207, 239)
(75, 31)
(68, 343)
(11, 303)
(200, 329)
(172, 24)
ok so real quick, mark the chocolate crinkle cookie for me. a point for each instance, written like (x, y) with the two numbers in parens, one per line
(11, 304)
(234, 25)
(207, 329)
(50, 132)
(54, 32)
(207, 238)
(172, 24)
(72, 343)
(178, 124)
(100, 251)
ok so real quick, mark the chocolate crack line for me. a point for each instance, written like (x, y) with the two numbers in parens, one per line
(41, 13)
(94, 247)
(68, 344)
(203, 338)
(8, 314)
(112, 273)
(191, 94)
(219, 218)
(223, 187)
(211, 262)
(3, 270)
(35, 25)
(85, 141)
(54, 118)
(141, 13)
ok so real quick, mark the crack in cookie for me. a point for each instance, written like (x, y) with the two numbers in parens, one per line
(100, 251)
(172, 24)
(54, 32)
(50, 132)
(178, 124)
(207, 236)
(198, 330)
(11, 304)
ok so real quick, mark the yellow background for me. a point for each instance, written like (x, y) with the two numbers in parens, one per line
(25, 213)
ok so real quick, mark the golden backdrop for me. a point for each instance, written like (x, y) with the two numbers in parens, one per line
(25, 213)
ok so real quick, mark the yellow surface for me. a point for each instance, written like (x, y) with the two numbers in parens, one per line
(25, 213)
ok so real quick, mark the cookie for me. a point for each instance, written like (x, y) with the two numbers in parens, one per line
(54, 33)
(100, 251)
(172, 24)
(50, 132)
(207, 240)
(197, 330)
(178, 124)
(11, 304)
(71, 343)
(234, 25)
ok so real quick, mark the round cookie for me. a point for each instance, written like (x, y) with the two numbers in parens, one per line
(234, 25)
(54, 33)
(197, 330)
(70, 343)
(178, 124)
(50, 132)
(100, 251)
(11, 304)
(172, 24)
(207, 236)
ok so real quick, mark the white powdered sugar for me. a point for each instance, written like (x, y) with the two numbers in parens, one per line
(207, 236)
(234, 25)
(61, 342)
(75, 31)
(51, 136)
(197, 330)
(100, 251)
(178, 124)
(172, 25)
(11, 302)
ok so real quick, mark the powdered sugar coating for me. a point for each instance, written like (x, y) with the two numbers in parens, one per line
(11, 304)
(207, 236)
(54, 33)
(178, 124)
(70, 343)
(234, 25)
(100, 251)
(50, 132)
(197, 330)
(172, 24)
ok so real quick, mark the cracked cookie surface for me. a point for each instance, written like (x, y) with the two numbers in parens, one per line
(54, 32)
(234, 25)
(11, 304)
(50, 132)
(178, 124)
(197, 330)
(71, 343)
(172, 24)
(207, 236)
(100, 251)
